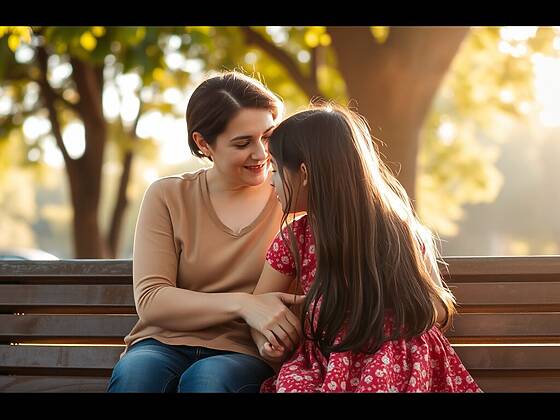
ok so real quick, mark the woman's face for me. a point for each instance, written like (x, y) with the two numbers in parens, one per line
(241, 152)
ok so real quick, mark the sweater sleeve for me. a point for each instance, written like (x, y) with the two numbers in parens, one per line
(159, 302)
(155, 257)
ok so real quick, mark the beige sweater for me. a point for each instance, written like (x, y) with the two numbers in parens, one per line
(181, 243)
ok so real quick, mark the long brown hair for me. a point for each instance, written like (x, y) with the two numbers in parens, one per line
(218, 99)
(373, 254)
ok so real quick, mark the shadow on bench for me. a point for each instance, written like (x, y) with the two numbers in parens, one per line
(62, 323)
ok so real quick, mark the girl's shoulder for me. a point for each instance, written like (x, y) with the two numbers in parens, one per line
(300, 227)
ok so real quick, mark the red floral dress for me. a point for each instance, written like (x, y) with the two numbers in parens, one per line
(425, 363)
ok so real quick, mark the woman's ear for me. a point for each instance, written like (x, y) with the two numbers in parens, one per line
(201, 143)
(303, 174)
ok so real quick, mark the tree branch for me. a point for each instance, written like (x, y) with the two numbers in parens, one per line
(121, 200)
(50, 96)
(66, 102)
(307, 84)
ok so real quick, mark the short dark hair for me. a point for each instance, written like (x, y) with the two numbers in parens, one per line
(218, 99)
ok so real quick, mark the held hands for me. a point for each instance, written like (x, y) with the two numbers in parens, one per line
(268, 314)
(271, 353)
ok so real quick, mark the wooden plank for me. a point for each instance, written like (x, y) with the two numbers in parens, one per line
(71, 357)
(14, 327)
(517, 381)
(64, 384)
(510, 340)
(499, 357)
(469, 325)
(13, 295)
(503, 266)
(501, 325)
(61, 384)
(458, 266)
(507, 293)
(69, 267)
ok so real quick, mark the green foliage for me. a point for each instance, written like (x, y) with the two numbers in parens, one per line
(481, 96)
(453, 172)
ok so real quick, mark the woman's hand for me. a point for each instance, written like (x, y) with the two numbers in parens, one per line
(268, 314)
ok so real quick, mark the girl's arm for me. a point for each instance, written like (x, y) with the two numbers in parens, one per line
(270, 281)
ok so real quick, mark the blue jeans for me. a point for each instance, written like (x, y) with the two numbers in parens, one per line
(152, 366)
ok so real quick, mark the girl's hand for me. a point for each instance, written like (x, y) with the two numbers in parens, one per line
(273, 354)
(269, 314)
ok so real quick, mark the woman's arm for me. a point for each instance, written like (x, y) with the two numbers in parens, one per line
(161, 303)
(158, 300)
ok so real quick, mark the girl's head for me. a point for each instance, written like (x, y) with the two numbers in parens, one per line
(229, 119)
(368, 240)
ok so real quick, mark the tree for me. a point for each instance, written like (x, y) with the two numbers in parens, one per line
(90, 54)
(391, 75)
(411, 82)
(393, 80)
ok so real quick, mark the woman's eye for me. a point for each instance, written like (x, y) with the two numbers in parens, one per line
(241, 146)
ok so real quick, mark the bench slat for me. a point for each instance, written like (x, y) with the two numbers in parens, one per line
(505, 325)
(507, 293)
(514, 357)
(65, 295)
(19, 383)
(458, 266)
(23, 326)
(72, 357)
(511, 266)
(465, 325)
(509, 383)
(467, 294)
(68, 267)
(61, 384)
(104, 357)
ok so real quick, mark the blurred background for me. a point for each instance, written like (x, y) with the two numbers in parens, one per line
(468, 117)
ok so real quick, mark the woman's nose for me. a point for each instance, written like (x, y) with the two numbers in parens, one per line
(260, 152)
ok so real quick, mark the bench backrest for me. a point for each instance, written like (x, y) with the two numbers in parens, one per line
(62, 323)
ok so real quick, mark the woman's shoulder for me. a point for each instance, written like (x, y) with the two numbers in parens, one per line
(175, 181)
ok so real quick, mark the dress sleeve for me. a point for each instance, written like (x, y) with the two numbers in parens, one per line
(279, 255)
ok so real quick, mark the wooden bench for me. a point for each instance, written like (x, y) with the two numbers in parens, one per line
(62, 323)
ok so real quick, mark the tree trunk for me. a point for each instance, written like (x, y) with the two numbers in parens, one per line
(86, 181)
(394, 84)
(88, 240)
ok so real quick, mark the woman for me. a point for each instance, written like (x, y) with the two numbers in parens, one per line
(199, 249)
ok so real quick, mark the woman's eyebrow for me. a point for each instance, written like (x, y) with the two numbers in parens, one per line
(248, 136)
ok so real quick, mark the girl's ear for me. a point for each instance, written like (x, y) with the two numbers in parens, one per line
(303, 173)
(201, 143)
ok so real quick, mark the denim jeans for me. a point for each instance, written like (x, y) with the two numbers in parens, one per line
(152, 366)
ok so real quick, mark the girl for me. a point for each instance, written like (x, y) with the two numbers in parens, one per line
(365, 263)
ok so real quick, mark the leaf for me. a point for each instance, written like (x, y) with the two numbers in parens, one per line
(88, 41)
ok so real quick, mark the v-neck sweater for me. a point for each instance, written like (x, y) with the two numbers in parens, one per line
(180, 243)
